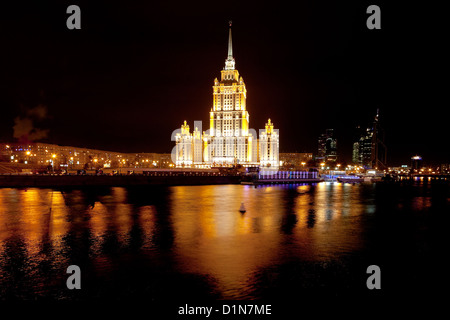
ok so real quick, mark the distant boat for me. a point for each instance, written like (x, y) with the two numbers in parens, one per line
(349, 179)
(242, 208)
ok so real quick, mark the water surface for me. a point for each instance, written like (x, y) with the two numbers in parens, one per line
(192, 242)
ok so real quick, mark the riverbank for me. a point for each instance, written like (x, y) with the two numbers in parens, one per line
(46, 181)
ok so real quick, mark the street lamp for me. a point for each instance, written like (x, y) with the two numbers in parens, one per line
(53, 162)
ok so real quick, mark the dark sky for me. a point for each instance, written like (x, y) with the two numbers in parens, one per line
(136, 70)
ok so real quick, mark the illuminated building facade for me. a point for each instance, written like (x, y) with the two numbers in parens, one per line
(362, 149)
(184, 146)
(37, 155)
(416, 162)
(269, 147)
(229, 141)
(369, 150)
(327, 150)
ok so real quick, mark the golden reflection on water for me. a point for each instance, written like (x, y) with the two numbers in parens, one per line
(29, 216)
(45, 216)
(328, 223)
(210, 236)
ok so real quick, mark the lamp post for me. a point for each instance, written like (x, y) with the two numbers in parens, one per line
(322, 165)
(27, 157)
(53, 162)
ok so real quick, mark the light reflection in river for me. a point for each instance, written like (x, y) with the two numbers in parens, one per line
(181, 232)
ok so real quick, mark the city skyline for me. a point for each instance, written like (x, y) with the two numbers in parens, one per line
(110, 85)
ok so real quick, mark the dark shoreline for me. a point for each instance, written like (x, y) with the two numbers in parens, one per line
(48, 181)
(61, 181)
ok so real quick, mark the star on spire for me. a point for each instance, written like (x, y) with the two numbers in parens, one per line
(229, 63)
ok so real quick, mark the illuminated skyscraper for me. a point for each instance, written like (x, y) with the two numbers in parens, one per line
(369, 150)
(327, 150)
(229, 141)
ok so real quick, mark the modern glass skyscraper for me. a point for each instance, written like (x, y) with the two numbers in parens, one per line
(369, 150)
(327, 149)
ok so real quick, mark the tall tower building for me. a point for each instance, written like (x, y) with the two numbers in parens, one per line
(379, 150)
(369, 150)
(229, 140)
(327, 146)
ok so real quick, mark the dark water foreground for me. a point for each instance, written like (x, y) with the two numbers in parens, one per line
(295, 243)
(83, 181)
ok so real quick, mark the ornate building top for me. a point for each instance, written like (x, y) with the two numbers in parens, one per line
(229, 63)
(269, 126)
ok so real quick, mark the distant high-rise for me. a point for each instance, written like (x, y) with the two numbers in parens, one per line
(327, 150)
(416, 163)
(369, 149)
(362, 147)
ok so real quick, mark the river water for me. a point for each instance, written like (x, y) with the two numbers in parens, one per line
(191, 242)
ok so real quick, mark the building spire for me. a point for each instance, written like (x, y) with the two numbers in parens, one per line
(229, 63)
(230, 45)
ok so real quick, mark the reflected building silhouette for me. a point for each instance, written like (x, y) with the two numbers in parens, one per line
(311, 220)
(289, 218)
(161, 239)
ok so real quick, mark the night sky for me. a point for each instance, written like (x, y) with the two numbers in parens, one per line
(136, 70)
